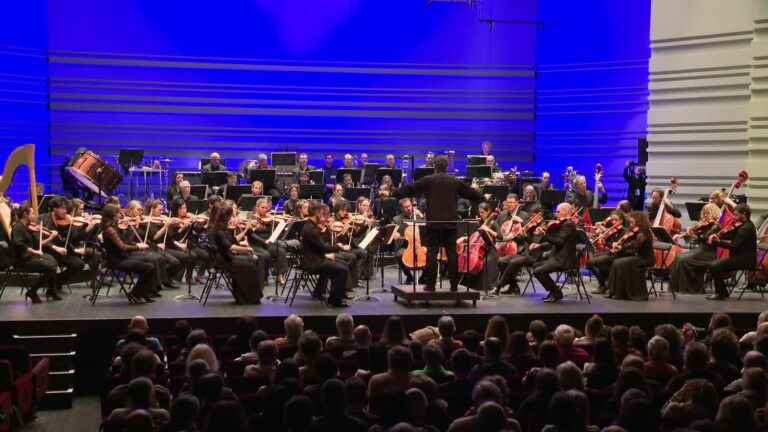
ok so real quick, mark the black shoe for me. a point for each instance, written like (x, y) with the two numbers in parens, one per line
(554, 298)
(510, 289)
(148, 300)
(156, 295)
(600, 290)
(52, 295)
(716, 297)
(548, 296)
(33, 297)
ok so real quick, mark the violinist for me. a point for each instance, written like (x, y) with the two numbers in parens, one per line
(174, 189)
(159, 230)
(512, 211)
(247, 270)
(67, 257)
(263, 225)
(401, 222)
(337, 196)
(231, 182)
(561, 237)
(741, 240)
(343, 229)
(689, 268)
(485, 235)
(384, 205)
(185, 192)
(363, 222)
(289, 206)
(135, 232)
(29, 241)
(607, 233)
(128, 257)
(319, 256)
(185, 237)
(634, 252)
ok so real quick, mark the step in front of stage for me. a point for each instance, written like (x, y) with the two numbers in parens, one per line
(417, 293)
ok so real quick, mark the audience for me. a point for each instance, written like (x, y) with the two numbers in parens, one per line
(610, 377)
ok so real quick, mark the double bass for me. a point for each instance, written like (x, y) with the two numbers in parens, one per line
(664, 219)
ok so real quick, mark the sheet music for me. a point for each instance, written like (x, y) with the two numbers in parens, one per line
(276, 233)
(369, 238)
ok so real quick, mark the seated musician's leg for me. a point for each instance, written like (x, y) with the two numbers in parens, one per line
(541, 273)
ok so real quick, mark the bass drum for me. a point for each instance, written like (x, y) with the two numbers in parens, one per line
(89, 169)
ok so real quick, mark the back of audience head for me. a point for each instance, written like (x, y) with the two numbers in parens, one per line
(141, 393)
(724, 346)
(139, 420)
(603, 353)
(658, 349)
(363, 337)
(546, 381)
(209, 388)
(462, 362)
(493, 348)
(144, 364)
(564, 335)
(184, 411)
(417, 405)
(471, 340)
(593, 327)
(695, 356)
(446, 327)
(394, 331)
(433, 356)
(498, 328)
(326, 368)
(549, 355)
(399, 359)
(735, 414)
(310, 346)
(204, 352)
(294, 327)
(486, 391)
(518, 344)
(256, 338)
(491, 417)
(569, 411)
(196, 337)
(538, 330)
(570, 377)
(298, 413)
(227, 416)
(345, 325)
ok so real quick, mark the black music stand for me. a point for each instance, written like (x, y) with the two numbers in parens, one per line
(312, 191)
(214, 178)
(423, 172)
(353, 193)
(551, 198)
(235, 192)
(383, 235)
(283, 159)
(317, 177)
(266, 176)
(396, 174)
(477, 160)
(694, 209)
(193, 177)
(355, 173)
(369, 172)
(662, 235)
(478, 171)
(499, 192)
(199, 191)
(197, 206)
(600, 214)
(248, 202)
(128, 158)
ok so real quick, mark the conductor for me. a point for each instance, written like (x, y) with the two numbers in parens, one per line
(441, 192)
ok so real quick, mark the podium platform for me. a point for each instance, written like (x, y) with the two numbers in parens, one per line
(407, 293)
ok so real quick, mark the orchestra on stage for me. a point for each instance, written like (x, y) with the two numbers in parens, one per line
(489, 230)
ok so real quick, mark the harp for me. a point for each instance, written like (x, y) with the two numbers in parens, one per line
(23, 155)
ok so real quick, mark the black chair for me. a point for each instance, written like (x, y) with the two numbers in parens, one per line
(529, 283)
(106, 276)
(574, 274)
(218, 275)
(305, 279)
(12, 272)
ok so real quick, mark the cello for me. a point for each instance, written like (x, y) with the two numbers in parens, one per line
(471, 261)
(415, 254)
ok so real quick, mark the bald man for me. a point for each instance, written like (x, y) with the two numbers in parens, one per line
(561, 239)
(216, 164)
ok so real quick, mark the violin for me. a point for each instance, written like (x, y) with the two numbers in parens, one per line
(599, 240)
(35, 227)
(619, 244)
(701, 227)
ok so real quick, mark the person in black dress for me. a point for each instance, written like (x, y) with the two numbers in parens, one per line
(488, 231)
(128, 257)
(30, 253)
(626, 281)
(235, 256)
(62, 246)
(262, 228)
(686, 274)
(319, 256)
(600, 263)
(561, 236)
(741, 241)
(140, 234)
(441, 192)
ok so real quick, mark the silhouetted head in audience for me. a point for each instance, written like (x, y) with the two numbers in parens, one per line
(498, 328)
(357, 394)
(486, 391)
(518, 344)
(433, 356)
(204, 352)
(761, 343)
(363, 338)
(462, 363)
(446, 327)
(141, 393)
(696, 357)
(267, 352)
(471, 340)
(417, 406)
(195, 370)
(569, 411)
(674, 338)
(139, 420)
(754, 386)
(184, 411)
(658, 349)
(636, 413)
(287, 369)
(256, 338)
(399, 360)
(181, 330)
(139, 324)
(426, 384)
(603, 354)
(294, 328)
(638, 339)
(144, 364)
(334, 398)
(549, 355)
(633, 362)
(538, 330)
(493, 349)
(209, 388)
(490, 417)
(310, 347)
(724, 347)
(345, 326)
(245, 327)
(298, 413)
(564, 336)
(755, 359)
(629, 378)
(394, 332)
(546, 381)
(735, 414)
(196, 337)
(570, 377)
(226, 416)
(326, 368)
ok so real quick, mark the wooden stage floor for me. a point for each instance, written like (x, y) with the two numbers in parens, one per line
(75, 308)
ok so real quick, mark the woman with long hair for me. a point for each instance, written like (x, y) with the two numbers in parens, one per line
(246, 270)
(128, 257)
(687, 271)
(498, 328)
(626, 280)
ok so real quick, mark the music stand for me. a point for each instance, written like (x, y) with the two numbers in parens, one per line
(317, 177)
(423, 172)
(294, 231)
(200, 191)
(197, 206)
(353, 193)
(235, 192)
(284, 159)
(478, 171)
(214, 178)
(662, 235)
(128, 158)
(312, 191)
(248, 202)
(369, 172)
(384, 234)
(193, 177)
(396, 174)
(477, 160)
(266, 176)
(355, 173)
(600, 214)
(499, 192)
(552, 197)
(694, 209)
(388, 209)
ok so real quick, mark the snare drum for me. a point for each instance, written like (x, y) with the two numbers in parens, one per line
(89, 169)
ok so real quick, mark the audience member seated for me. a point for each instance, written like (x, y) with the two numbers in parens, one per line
(433, 365)
(138, 329)
(289, 344)
(345, 326)
(657, 366)
(394, 380)
(494, 363)
(140, 396)
(267, 362)
(564, 337)
(447, 343)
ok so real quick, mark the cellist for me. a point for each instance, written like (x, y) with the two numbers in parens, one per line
(401, 222)
(480, 247)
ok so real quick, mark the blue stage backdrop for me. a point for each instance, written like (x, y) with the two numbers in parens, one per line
(24, 87)
(592, 86)
(241, 77)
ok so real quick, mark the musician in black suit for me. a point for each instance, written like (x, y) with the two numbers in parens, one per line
(741, 241)
(316, 258)
(215, 164)
(561, 236)
(441, 192)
